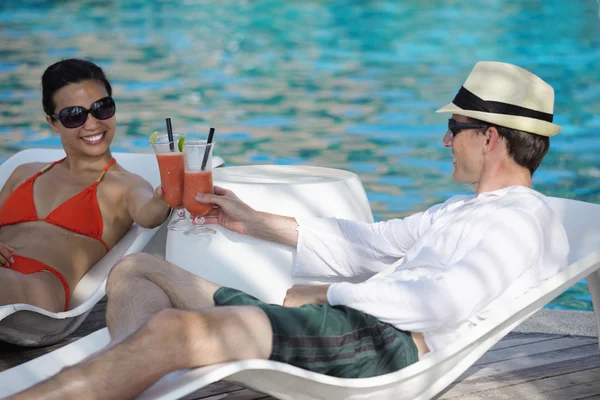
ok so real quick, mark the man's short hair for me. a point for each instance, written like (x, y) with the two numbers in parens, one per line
(527, 149)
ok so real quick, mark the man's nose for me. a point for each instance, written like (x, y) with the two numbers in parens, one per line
(447, 139)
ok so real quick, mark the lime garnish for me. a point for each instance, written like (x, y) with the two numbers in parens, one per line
(154, 137)
(180, 143)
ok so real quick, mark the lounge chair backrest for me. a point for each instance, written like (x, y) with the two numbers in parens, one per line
(141, 164)
(582, 222)
(30, 326)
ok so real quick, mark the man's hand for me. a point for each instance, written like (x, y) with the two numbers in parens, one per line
(6, 255)
(298, 295)
(231, 212)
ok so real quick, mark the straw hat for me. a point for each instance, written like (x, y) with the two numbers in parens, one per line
(506, 95)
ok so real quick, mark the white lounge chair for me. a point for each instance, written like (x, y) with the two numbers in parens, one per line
(27, 325)
(420, 381)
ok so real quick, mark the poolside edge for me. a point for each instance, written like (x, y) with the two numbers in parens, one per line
(580, 323)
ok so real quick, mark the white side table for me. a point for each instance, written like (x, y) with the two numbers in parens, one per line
(257, 267)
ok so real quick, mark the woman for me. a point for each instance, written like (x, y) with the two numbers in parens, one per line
(58, 220)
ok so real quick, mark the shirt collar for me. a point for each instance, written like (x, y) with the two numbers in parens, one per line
(511, 189)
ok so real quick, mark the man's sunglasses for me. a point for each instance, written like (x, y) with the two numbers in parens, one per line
(73, 117)
(454, 127)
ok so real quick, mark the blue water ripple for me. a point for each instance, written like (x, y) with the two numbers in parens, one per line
(261, 158)
(362, 167)
(8, 67)
(396, 150)
(396, 180)
(549, 176)
(59, 53)
(442, 166)
(235, 136)
(268, 121)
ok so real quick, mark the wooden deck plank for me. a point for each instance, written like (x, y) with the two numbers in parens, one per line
(532, 348)
(460, 389)
(242, 394)
(523, 340)
(212, 390)
(569, 386)
(540, 360)
(225, 390)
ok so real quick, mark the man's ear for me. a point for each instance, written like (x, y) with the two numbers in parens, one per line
(492, 138)
(52, 123)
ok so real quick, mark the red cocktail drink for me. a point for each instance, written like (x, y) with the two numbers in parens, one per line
(195, 183)
(197, 180)
(171, 166)
(171, 177)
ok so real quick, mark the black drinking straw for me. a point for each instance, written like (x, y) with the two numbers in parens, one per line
(206, 152)
(170, 134)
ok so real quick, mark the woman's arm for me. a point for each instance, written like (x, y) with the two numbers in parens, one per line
(145, 206)
(5, 250)
(9, 185)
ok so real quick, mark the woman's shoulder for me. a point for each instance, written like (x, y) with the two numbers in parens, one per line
(24, 171)
(124, 178)
(21, 174)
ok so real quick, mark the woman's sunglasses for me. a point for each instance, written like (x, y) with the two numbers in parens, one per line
(73, 117)
(455, 127)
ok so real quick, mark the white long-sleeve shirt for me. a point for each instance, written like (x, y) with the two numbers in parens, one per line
(453, 262)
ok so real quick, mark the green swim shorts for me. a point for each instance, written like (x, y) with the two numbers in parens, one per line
(337, 341)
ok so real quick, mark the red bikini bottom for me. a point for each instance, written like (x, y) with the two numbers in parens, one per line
(26, 266)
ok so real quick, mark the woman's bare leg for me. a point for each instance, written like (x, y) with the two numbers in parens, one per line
(41, 289)
(170, 341)
(141, 285)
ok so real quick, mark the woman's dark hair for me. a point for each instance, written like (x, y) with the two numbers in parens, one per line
(65, 72)
(527, 149)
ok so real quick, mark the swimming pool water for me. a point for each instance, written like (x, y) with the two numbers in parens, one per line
(342, 83)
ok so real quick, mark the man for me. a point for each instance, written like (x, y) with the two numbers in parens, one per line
(459, 260)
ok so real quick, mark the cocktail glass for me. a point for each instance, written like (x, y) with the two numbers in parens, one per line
(197, 156)
(170, 165)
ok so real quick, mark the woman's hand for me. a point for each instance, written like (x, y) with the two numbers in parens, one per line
(230, 212)
(145, 205)
(159, 195)
(6, 255)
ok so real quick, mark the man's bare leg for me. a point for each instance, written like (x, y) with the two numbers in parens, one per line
(141, 285)
(170, 341)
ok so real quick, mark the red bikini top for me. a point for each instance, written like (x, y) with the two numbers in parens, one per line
(79, 214)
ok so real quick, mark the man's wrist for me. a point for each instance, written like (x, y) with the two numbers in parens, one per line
(256, 224)
(272, 227)
(324, 298)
